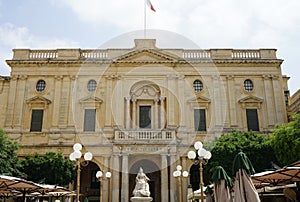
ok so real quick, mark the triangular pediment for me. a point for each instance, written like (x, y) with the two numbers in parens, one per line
(251, 99)
(91, 99)
(147, 56)
(199, 99)
(38, 100)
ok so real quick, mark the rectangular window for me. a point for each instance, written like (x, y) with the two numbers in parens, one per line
(199, 120)
(252, 119)
(145, 117)
(36, 120)
(89, 120)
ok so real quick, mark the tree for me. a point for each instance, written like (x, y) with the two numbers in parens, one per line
(286, 141)
(256, 146)
(52, 168)
(9, 162)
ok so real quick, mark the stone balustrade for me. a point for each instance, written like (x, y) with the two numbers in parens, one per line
(143, 135)
(76, 54)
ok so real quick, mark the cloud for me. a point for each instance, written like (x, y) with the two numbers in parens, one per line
(12, 37)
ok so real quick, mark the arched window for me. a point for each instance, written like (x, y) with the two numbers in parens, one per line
(198, 85)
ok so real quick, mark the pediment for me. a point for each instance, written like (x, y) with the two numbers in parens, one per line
(147, 56)
(91, 99)
(38, 100)
(199, 99)
(251, 99)
(91, 102)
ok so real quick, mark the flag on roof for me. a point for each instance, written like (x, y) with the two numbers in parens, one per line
(150, 5)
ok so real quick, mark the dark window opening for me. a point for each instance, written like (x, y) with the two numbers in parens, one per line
(36, 120)
(252, 119)
(199, 120)
(145, 117)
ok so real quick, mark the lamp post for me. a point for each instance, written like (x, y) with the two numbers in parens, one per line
(178, 174)
(200, 158)
(99, 176)
(75, 156)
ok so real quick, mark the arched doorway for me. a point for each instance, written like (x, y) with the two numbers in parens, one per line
(153, 173)
(89, 186)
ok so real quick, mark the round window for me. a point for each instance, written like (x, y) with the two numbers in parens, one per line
(198, 85)
(91, 86)
(40, 86)
(248, 85)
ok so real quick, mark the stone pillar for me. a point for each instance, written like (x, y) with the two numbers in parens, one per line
(9, 123)
(134, 123)
(56, 102)
(106, 183)
(164, 178)
(125, 179)
(171, 101)
(269, 98)
(115, 178)
(108, 100)
(232, 101)
(184, 180)
(20, 96)
(279, 101)
(182, 104)
(64, 103)
(162, 112)
(127, 111)
(156, 118)
(118, 111)
(173, 183)
(217, 99)
(72, 103)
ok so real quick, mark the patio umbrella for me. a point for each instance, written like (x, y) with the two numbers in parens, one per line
(222, 185)
(244, 190)
(285, 175)
(209, 194)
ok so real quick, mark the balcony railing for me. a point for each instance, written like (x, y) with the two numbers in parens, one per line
(144, 135)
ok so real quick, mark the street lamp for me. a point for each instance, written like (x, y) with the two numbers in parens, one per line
(177, 174)
(200, 158)
(99, 176)
(75, 156)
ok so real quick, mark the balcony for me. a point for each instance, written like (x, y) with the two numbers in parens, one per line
(145, 136)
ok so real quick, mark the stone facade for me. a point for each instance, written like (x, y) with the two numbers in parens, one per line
(294, 103)
(141, 106)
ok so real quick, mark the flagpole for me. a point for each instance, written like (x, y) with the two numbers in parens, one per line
(145, 19)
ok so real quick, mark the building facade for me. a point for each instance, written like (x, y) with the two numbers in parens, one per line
(138, 107)
(294, 103)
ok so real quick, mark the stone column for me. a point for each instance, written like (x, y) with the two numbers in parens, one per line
(232, 101)
(9, 123)
(72, 103)
(64, 103)
(171, 101)
(127, 111)
(156, 118)
(125, 179)
(279, 101)
(269, 98)
(56, 102)
(134, 123)
(181, 99)
(184, 180)
(173, 183)
(164, 178)
(20, 96)
(108, 103)
(217, 99)
(162, 112)
(106, 183)
(115, 178)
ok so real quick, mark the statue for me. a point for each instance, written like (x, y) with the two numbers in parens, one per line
(141, 187)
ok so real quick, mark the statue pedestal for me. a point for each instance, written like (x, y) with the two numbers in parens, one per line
(141, 199)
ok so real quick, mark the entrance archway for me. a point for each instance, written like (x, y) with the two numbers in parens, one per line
(153, 173)
(89, 186)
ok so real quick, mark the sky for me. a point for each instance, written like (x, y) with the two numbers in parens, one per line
(237, 24)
